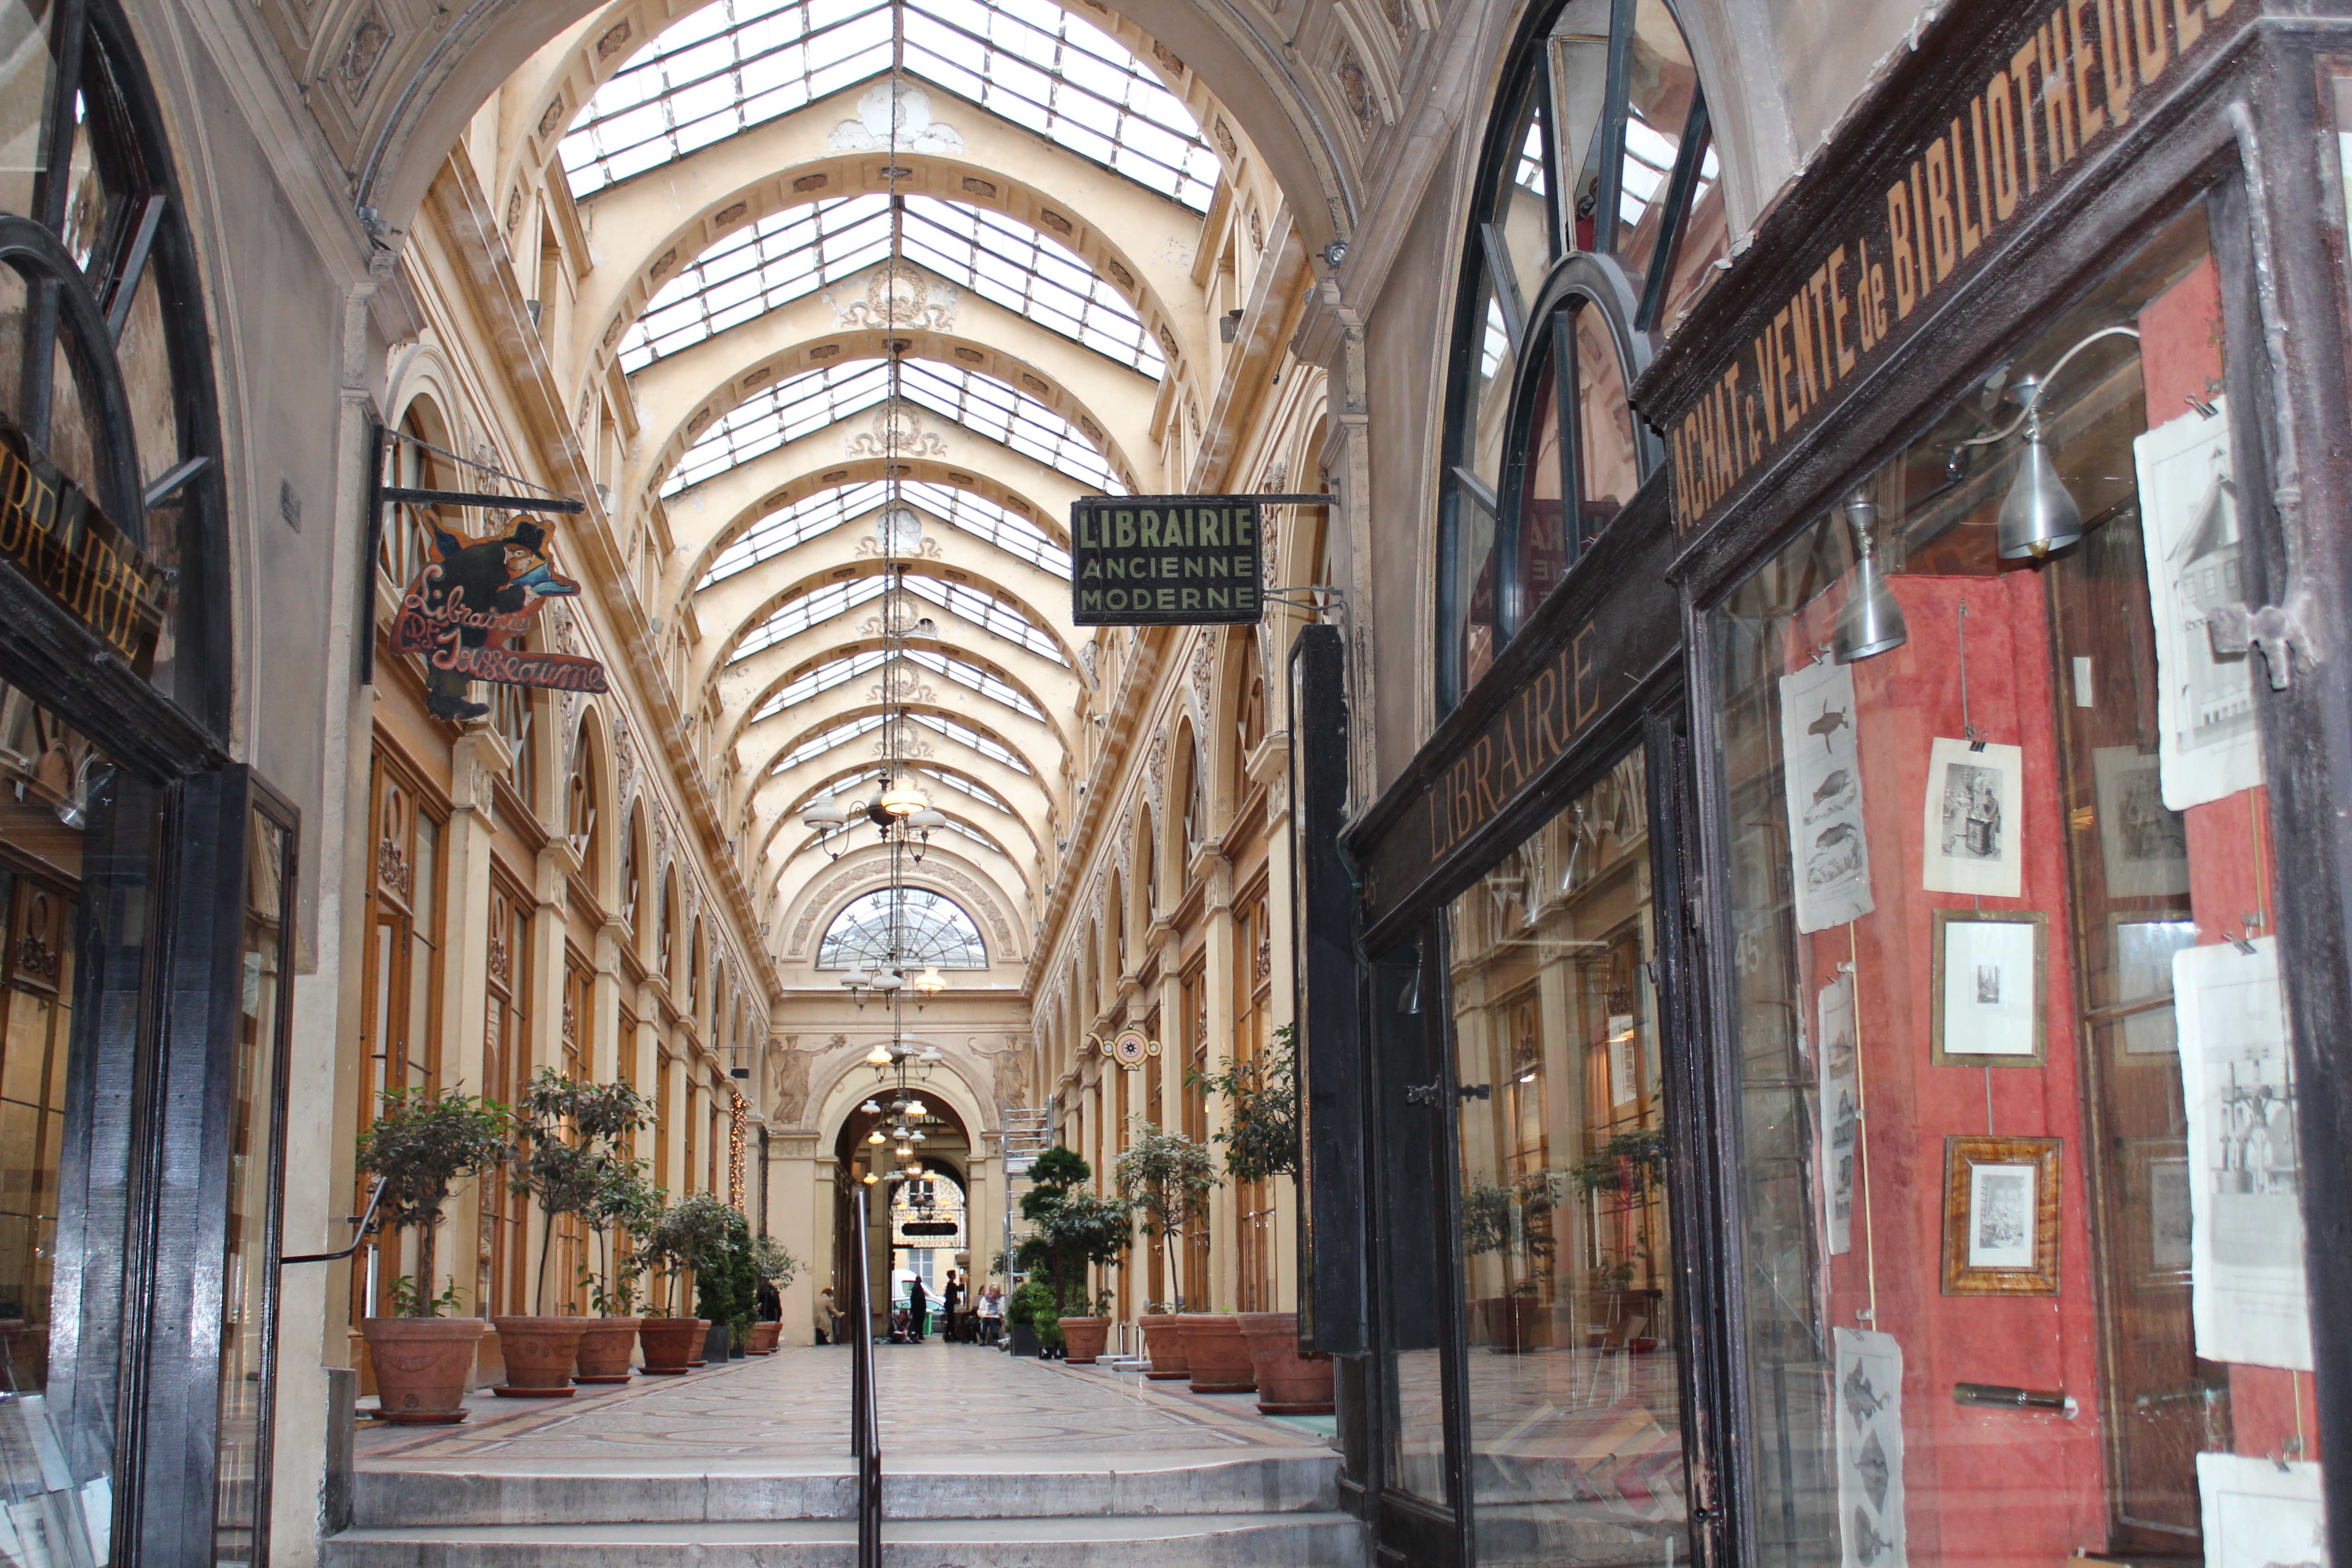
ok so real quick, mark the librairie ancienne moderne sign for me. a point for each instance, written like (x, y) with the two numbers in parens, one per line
(1170, 561)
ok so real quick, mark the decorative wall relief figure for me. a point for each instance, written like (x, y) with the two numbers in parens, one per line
(1821, 776)
(1841, 1112)
(2246, 1272)
(1974, 828)
(1869, 1417)
(2208, 741)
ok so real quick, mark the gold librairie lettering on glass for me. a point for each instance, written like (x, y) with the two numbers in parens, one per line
(1165, 561)
(51, 530)
(2075, 79)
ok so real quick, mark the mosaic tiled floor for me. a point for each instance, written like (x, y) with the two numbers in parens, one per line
(964, 1400)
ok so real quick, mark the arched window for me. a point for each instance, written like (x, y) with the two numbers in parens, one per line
(580, 808)
(1196, 815)
(105, 349)
(1598, 218)
(512, 714)
(903, 928)
(630, 876)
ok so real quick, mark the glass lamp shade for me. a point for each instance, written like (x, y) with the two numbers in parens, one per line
(871, 1178)
(886, 982)
(927, 818)
(904, 800)
(931, 1053)
(823, 814)
(930, 981)
(1870, 622)
(856, 978)
(876, 1137)
(905, 1151)
(916, 1108)
(879, 1057)
(2037, 516)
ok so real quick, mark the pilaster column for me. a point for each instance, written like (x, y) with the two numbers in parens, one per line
(479, 757)
(1216, 874)
(542, 971)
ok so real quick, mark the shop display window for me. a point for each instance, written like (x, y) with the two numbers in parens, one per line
(257, 1158)
(79, 848)
(2018, 1254)
(1600, 217)
(1573, 1381)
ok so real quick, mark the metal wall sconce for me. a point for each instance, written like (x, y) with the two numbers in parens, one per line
(2037, 515)
(1870, 622)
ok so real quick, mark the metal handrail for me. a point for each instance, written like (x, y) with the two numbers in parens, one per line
(864, 1419)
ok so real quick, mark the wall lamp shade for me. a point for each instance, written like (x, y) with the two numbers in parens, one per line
(886, 982)
(927, 819)
(879, 1057)
(876, 1137)
(856, 978)
(823, 814)
(1870, 622)
(930, 981)
(2037, 516)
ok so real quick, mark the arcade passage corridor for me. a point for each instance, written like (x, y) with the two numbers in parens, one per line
(1175, 784)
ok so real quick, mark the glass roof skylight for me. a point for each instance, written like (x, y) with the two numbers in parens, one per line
(984, 519)
(802, 249)
(807, 403)
(985, 610)
(800, 522)
(841, 788)
(979, 739)
(779, 414)
(740, 63)
(839, 735)
(796, 616)
(898, 928)
(833, 672)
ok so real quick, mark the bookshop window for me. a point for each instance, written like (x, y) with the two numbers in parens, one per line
(1598, 218)
(2016, 1163)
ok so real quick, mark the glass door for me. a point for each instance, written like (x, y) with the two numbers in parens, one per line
(1573, 1381)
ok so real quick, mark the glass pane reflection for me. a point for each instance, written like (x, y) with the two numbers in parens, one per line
(1574, 1374)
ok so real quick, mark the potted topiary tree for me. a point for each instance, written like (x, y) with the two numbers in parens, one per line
(560, 1170)
(679, 1243)
(626, 1206)
(422, 1141)
(1261, 1142)
(1168, 1178)
(1075, 1228)
(774, 1268)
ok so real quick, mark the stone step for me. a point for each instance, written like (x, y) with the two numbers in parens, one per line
(494, 1493)
(1316, 1539)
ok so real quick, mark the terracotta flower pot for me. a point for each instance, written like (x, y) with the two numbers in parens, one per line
(605, 1347)
(763, 1338)
(540, 1354)
(1289, 1382)
(670, 1343)
(421, 1365)
(1163, 1342)
(1083, 1340)
(1215, 1353)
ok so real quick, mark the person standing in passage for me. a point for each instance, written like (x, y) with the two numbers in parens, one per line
(951, 1297)
(827, 1328)
(916, 1305)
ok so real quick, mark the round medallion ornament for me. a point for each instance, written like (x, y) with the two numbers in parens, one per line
(1129, 1047)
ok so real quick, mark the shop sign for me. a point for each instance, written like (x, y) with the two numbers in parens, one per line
(1166, 561)
(1605, 659)
(52, 531)
(467, 608)
(2054, 93)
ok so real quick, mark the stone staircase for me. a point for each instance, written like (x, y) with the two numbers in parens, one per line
(1199, 1509)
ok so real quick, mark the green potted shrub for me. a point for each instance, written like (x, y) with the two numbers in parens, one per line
(421, 1142)
(1074, 1229)
(1029, 1319)
(726, 1284)
(626, 1206)
(1168, 1178)
(682, 1239)
(773, 1265)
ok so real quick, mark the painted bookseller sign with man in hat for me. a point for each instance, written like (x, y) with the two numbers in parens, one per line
(469, 608)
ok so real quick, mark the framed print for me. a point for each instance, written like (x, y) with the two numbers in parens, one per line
(1987, 971)
(2142, 843)
(2260, 1512)
(2000, 1216)
(1974, 827)
(2144, 951)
